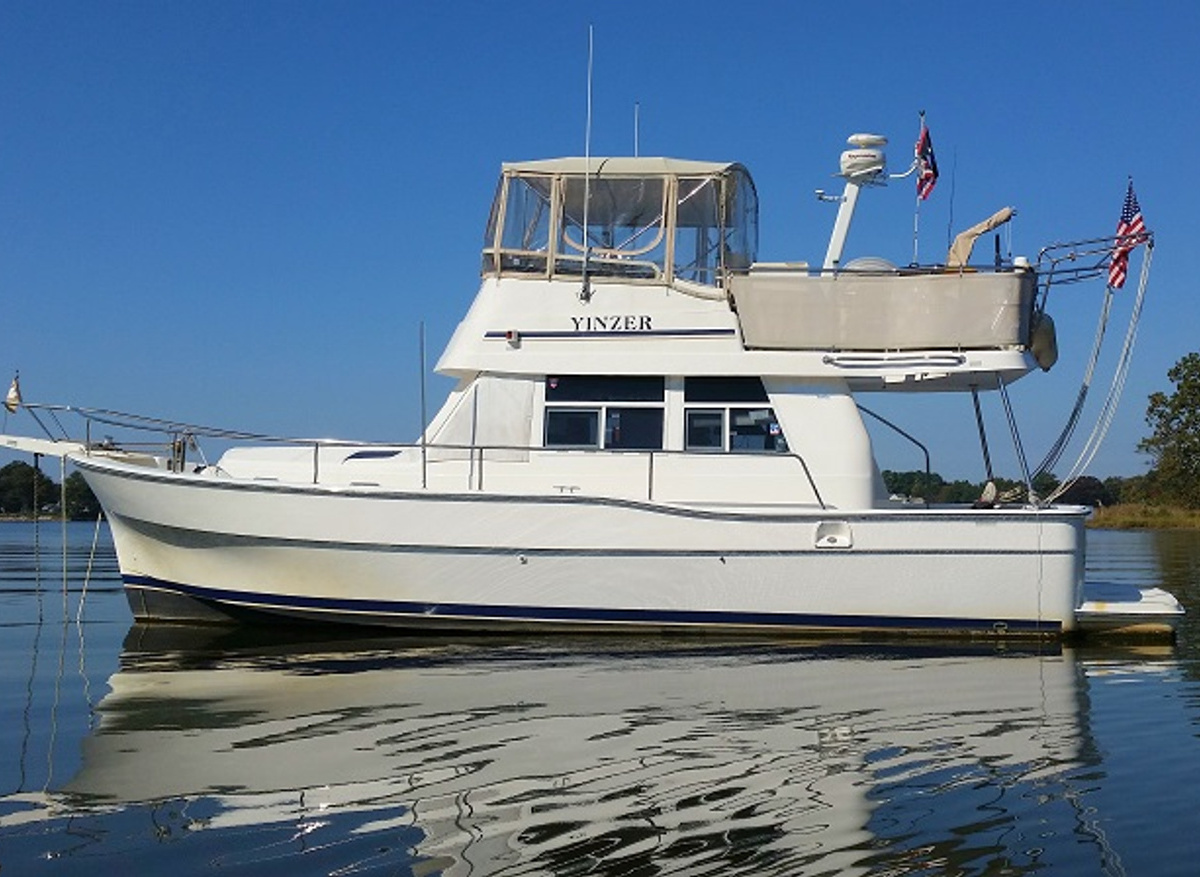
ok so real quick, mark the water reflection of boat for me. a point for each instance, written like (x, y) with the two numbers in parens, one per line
(761, 758)
(651, 428)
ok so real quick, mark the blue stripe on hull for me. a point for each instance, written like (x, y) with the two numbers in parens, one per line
(397, 613)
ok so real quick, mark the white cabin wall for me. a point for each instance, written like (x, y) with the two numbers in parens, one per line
(673, 426)
(448, 409)
(824, 426)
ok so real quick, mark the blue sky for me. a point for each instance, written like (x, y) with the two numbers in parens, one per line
(238, 213)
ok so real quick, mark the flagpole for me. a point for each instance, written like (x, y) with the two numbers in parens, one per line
(917, 202)
(916, 229)
(926, 167)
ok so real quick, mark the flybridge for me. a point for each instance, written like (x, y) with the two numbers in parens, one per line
(639, 220)
(574, 245)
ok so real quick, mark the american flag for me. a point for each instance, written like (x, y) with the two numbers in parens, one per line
(926, 163)
(1131, 231)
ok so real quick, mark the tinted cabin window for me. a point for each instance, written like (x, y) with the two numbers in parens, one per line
(640, 428)
(721, 414)
(602, 388)
(631, 410)
(574, 428)
(724, 390)
(754, 430)
(705, 429)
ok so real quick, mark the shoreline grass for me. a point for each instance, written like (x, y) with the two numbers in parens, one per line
(1141, 516)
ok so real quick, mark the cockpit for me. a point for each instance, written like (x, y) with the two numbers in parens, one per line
(652, 220)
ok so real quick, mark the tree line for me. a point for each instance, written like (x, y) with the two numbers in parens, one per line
(25, 489)
(1088, 490)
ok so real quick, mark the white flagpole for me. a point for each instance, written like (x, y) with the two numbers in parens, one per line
(916, 229)
(917, 205)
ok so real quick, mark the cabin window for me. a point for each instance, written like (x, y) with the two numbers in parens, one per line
(720, 389)
(630, 410)
(730, 427)
(755, 430)
(572, 427)
(604, 388)
(734, 430)
(633, 428)
(705, 429)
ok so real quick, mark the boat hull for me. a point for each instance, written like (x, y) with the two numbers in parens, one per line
(200, 548)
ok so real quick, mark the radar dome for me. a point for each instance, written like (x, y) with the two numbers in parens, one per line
(867, 141)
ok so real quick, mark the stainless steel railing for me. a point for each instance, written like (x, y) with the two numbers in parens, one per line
(178, 439)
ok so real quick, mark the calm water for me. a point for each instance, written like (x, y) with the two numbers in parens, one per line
(149, 751)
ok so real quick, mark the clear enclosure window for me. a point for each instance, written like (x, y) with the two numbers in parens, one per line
(525, 239)
(698, 230)
(716, 227)
(741, 223)
(626, 229)
(651, 227)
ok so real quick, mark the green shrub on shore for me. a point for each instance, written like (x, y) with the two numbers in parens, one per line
(26, 490)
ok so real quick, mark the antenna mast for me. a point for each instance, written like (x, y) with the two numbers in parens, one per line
(585, 292)
(637, 109)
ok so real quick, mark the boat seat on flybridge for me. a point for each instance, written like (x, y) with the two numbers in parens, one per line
(964, 243)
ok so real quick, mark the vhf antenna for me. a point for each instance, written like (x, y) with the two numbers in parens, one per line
(637, 110)
(585, 292)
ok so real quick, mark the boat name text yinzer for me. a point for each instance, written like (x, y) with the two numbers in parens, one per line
(612, 323)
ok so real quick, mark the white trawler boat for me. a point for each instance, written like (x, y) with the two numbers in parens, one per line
(651, 429)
